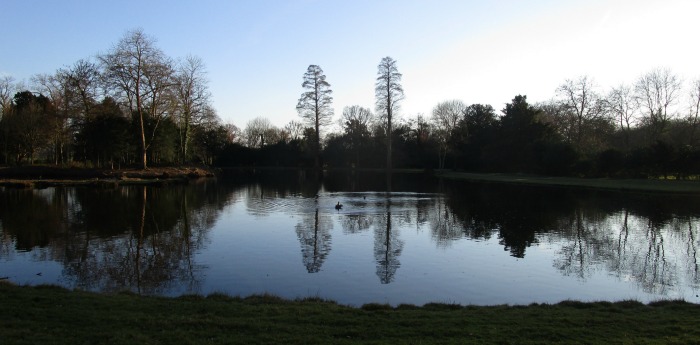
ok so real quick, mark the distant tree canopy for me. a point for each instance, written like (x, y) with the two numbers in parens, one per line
(135, 106)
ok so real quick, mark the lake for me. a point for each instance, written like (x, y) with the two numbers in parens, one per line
(415, 239)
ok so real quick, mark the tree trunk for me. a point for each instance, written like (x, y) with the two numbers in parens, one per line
(317, 152)
(185, 137)
(144, 149)
(388, 137)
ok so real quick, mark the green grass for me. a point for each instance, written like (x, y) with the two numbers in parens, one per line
(640, 185)
(35, 315)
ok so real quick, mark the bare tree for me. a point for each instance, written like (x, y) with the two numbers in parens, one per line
(83, 82)
(445, 119)
(621, 104)
(233, 133)
(583, 104)
(7, 89)
(420, 128)
(448, 113)
(356, 121)
(273, 135)
(354, 116)
(656, 92)
(192, 99)
(314, 105)
(694, 113)
(258, 131)
(141, 76)
(58, 90)
(52, 86)
(388, 93)
(295, 130)
(555, 114)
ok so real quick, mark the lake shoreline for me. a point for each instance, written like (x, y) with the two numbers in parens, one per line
(50, 314)
(49, 176)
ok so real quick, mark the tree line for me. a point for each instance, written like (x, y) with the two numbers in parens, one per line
(130, 106)
(645, 129)
(134, 106)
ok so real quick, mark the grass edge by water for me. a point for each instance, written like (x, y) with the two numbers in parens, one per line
(56, 315)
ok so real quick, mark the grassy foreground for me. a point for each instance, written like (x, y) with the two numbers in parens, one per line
(35, 315)
(639, 185)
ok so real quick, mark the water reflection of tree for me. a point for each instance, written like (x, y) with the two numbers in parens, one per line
(356, 223)
(578, 255)
(314, 235)
(513, 213)
(164, 226)
(650, 239)
(136, 238)
(387, 247)
(649, 249)
(693, 267)
(291, 191)
(33, 217)
(445, 227)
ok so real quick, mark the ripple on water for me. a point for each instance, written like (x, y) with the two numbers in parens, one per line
(352, 203)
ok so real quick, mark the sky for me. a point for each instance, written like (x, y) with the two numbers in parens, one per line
(256, 51)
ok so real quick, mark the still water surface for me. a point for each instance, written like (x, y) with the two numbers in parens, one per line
(422, 240)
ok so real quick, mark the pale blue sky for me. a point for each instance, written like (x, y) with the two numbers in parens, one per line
(257, 51)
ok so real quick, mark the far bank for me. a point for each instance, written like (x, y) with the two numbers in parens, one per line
(46, 176)
(634, 185)
(40, 176)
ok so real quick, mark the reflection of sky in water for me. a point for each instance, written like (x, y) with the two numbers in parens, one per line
(465, 271)
(393, 248)
(30, 267)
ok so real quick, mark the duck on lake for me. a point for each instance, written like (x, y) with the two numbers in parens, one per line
(338, 206)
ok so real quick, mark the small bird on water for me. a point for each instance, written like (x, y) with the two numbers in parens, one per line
(338, 206)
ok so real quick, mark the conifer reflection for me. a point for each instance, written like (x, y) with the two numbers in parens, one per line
(387, 246)
(314, 235)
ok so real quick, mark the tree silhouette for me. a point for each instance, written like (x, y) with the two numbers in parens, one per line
(355, 123)
(656, 91)
(314, 106)
(388, 93)
(446, 116)
(141, 75)
(193, 97)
